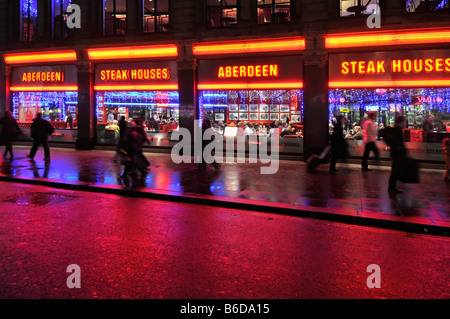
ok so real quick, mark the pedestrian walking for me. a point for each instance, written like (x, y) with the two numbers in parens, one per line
(398, 152)
(206, 124)
(135, 159)
(9, 133)
(40, 131)
(338, 143)
(369, 139)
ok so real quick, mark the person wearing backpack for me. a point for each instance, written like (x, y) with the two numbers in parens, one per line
(40, 130)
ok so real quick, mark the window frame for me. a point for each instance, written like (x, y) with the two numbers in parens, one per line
(157, 27)
(273, 6)
(222, 7)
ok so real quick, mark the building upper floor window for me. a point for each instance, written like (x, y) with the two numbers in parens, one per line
(156, 15)
(273, 11)
(357, 7)
(221, 13)
(427, 5)
(115, 18)
(27, 19)
(60, 29)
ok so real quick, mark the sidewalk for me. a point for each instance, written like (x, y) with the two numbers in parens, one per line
(348, 196)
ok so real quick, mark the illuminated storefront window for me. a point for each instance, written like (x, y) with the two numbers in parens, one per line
(159, 111)
(254, 96)
(414, 103)
(60, 108)
(261, 107)
(415, 84)
(137, 90)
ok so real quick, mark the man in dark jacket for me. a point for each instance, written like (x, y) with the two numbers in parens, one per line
(40, 130)
(9, 132)
(398, 153)
(338, 143)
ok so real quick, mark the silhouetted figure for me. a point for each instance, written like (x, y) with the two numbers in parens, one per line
(398, 152)
(9, 132)
(69, 120)
(338, 143)
(135, 138)
(40, 130)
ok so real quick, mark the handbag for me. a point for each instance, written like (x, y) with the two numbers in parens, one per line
(409, 171)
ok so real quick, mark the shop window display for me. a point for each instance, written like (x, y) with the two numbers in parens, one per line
(256, 112)
(60, 108)
(427, 111)
(159, 111)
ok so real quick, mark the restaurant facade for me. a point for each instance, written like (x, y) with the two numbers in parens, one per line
(287, 76)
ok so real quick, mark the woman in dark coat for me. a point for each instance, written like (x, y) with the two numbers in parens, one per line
(9, 132)
(338, 144)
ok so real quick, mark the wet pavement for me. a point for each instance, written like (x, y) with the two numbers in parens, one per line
(349, 195)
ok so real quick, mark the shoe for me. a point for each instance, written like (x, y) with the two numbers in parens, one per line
(47, 159)
(11, 157)
(28, 156)
(395, 191)
(366, 169)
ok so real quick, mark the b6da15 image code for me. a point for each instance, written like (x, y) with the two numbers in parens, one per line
(242, 308)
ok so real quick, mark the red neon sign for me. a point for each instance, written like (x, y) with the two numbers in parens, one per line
(43, 76)
(135, 74)
(397, 66)
(418, 68)
(243, 71)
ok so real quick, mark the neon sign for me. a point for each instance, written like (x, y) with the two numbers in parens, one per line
(243, 71)
(135, 74)
(43, 77)
(419, 68)
(396, 66)
(281, 72)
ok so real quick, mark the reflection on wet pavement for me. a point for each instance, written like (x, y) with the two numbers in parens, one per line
(349, 191)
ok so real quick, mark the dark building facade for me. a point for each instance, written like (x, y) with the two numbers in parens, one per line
(259, 62)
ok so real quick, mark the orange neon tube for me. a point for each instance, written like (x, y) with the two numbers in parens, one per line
(38, 57)
(287, 44)
(375, 39)
(43, 88)
(168, 87)
(250, 86)
(133, 52)
(400, 83)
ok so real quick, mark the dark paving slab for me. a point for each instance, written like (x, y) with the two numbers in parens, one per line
(349, 195)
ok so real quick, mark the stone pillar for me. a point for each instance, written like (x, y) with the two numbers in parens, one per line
(134, 17)
(86, 103)
(315, 97)
(5, 94)
(187, 88)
